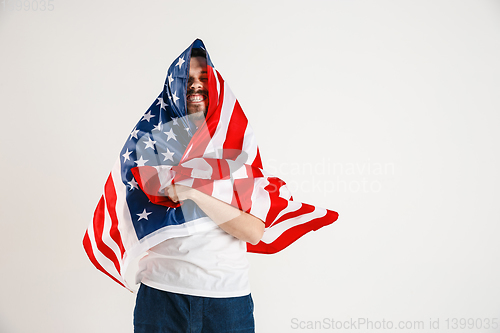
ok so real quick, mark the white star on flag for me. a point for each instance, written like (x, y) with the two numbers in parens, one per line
(134, 134)
(141, 161)
(133, 184)
(148, 116)
(158, 127)
(171, 135)
(170, 79)
(162, 102)
(126, 156)
(150, 144)
(175, 97)
(174, 121)
(144, 215)
(168, 155)
(180, 62)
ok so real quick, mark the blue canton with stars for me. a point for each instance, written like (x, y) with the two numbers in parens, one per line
(160, 138)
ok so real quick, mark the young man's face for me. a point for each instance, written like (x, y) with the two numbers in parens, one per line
(197, 89)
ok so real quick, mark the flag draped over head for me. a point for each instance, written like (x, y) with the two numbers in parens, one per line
(220, 158)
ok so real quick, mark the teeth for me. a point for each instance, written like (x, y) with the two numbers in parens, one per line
(195, 98)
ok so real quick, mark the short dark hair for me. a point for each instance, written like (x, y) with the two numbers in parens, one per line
(198, 52)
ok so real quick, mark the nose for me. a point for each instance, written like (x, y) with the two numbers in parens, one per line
(195, 83)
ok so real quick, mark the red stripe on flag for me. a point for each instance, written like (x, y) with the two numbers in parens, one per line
(232, 148)
(99, 217)
(243, 189)
(213, 120)
(304, 209)
(277, 203)
(291, 235)
(203, 185)
(234, 138)
(257, 162)
(219, 167)
(87, 245)
(253, 171)
(114, 232)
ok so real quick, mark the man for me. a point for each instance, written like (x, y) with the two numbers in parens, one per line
(199, 283)
(189, 188)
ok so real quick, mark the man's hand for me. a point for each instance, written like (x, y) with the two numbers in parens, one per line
(178, 192)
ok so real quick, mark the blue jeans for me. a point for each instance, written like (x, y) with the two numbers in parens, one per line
(158, 311)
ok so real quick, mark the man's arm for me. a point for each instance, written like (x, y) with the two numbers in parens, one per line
(235, 222)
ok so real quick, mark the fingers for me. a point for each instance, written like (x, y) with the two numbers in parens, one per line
(178, 193)
(171, 193)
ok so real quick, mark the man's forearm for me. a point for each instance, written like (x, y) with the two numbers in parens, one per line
(235, 222)
(229, 218)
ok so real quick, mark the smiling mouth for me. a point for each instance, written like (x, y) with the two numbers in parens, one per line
(196, 98)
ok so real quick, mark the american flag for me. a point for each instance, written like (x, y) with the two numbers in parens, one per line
(221, 158)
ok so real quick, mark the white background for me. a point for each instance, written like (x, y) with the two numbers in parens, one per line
(384, 111)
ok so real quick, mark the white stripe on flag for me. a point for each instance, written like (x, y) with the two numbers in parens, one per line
(292, 206)
(249, 145)
(218, 83)
(101, 259)
(223, 190)
(186, 182)
(272, 233)
(106, 236)
(237, 170)
(260, 199)
(125, 226)
(200, 168)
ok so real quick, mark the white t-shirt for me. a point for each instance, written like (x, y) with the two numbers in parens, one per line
(211, 263)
